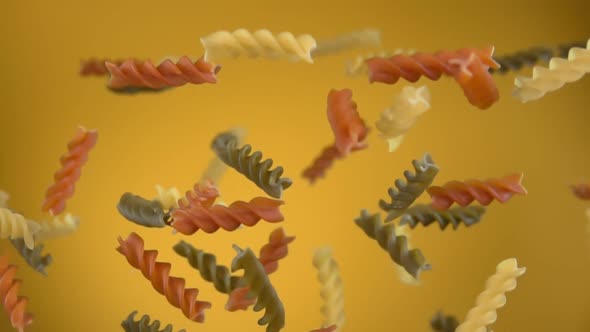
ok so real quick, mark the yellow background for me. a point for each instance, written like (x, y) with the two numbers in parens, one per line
(164, 138)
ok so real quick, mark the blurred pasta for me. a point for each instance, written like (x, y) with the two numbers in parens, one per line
(347, 41)
(33, 257)
(426, 215)
(144, 324)
(14, 305)
(332, 290)
(15, 226)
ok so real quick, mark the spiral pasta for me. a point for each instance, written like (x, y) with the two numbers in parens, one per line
(33, 257)
(426, 215)
(15, 226)
(4, 197)
(159, 275)
(216, 167)
(442, 323)
(358, 66)
(556, 75)
(347, 41)
(14, 305)
(250, 164)
(349, 129)
(266, 296)
(96, 67)
(403, 275)
(206, 264)
(397, 246)
(407, 193)
(141, 211)
(484, 192)
(144, 325)
(493, 297)
(332, 291)
(261, 43)
(322, 163)
(270, 255)
(57, 227)
(581, 191)
(526, 58)
(396, 120)
(469, 67)
(168, 198)
(67, 176)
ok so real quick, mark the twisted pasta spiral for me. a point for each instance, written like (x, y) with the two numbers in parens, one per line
(358, 66)
(407, 193)
(57, 227)
(216, 167)
(520, 59)
(159, 275)
(168, 198)
(13, 304)
(442, 323)
(256, 278)
(250, 164)
(397, 246)
(206, 264)
(96, 67)
(484, 192)
(144, 325)
(15, 226)
(270, 255)
(225, 44)
(70, 171)
(33, 257)
(426, 215)
(141, 211)
(493, 297)
(349, 129)
(559, 72)
(322, 163)
(343, 42)
(332, 291)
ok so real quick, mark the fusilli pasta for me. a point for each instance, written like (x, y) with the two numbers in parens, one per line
(141, 211)
(332, 291)
(57, 227)
(322, 163)
(250, 164)
(556, 75)
(397, 246)
(216, 167)
(442, 323)
(426, 215)
(493, 297)
(349, 129)
(33, 257)
(407, 193)
(403, 275)
(260, 287)
(396, 120)
(13, 304)
(261, 43)
(358, 66)
(15, 226)
(347, 41)
(168, 198)
(144, 325)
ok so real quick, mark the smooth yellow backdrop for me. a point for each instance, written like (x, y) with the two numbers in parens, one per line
(164, 139)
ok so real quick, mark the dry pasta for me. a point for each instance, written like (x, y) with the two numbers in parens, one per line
(396, 120)
(260, 287)
(14, 305)
(168, 198)
(426, 215)
(216, 167)
(141, 211)
(358, 66)
(59, 226)
(33, 257)
(261, 43)
(556, 75)
(403, 275)
(332, 291)
(144, 325)
(15, 226)
(347, 41)
(493, 297)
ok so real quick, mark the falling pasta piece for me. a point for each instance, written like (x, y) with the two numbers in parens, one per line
(581, 191)
(168, 198)
(256, 278)
(141, 211)
(484, 192)
(493, 297)
(159, 275)
(396, 120)
(96, 67)
(358, 66)
(216, 167)
(206, 264)
(554, 77)
(526, 58)
(396, 245)
(261, 43)
(322, 163)
(332, 291)
(14, 305)
(469, 67)
(270, 254)
(426, 215)
(33, 257)
(71, 170)
(167, 74)
(404, 194)
(144, 325)
(403, 275)
(347, 41)
(349, 129)
(15, 226)
(442, 323)
(57, 227)
(250, 164)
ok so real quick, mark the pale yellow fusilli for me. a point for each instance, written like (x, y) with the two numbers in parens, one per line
(332, 291)
(57, 227)
(168, 198)
(4, 197)
(559, 72)
(347, 41)
(492, 298)
(357, 66)
(261, 43)
(396, 120)
(15, 226)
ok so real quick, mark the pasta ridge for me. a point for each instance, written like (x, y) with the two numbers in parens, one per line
(33, 257)
(144, 325)
(14, 305)
(426, 215)
(141, 211)
(332, 290)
